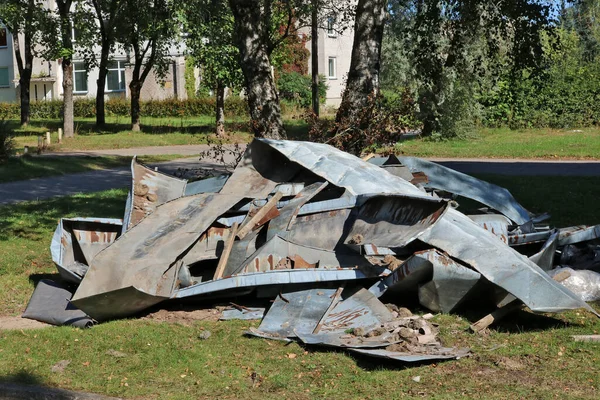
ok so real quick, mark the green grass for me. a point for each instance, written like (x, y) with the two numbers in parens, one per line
(20, 168)
(506, 143)
(526, 356)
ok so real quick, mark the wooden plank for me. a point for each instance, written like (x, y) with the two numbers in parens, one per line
(226, 252)
(500, 313)
(258, 217)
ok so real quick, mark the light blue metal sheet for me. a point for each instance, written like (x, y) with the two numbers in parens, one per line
(443, 353)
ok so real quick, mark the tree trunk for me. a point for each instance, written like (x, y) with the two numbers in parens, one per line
(68, 121)
(136, 89)
(363, 77)
(24, 83)
(25, 70)
(251, 25)
(102, 73)
(314, 56)
(220, 108)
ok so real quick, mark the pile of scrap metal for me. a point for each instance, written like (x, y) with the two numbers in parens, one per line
(328, 237)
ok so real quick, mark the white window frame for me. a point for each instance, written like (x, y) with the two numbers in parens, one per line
(120, 67)
(7, 77)
(331, 32)
(2, 27)
(75, 72)
(329, 75)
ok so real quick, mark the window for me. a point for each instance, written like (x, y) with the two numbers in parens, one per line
(331, 26)
(332, 68)
(3, 38)
(115, 80)
(80, 78)
(4, 82)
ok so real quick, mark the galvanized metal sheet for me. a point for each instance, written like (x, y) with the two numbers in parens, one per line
(441, 353)
(150, 189)
(247, 313)
(277, 277)
(545, 257)
(208, 185)
(343, 169)
(208, 247)
(259, 172)
(279, 253)
(143, 258)
(578, 234)
(394, 221)
(452, 181)
(497, 224)
(77, 240)
(296, 312)
(464, 240)
(528, 238)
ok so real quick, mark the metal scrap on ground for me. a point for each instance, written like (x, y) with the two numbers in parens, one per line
(331, 243)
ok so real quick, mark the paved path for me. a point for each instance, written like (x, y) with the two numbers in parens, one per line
(42, 188)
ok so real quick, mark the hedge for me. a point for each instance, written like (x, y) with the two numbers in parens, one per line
(86, 108)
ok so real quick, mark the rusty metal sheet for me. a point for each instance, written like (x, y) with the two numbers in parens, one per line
(77, 240)
(208, 247)
(324, 230)
(343, 169)
(435, 353)
(497, 224)
(578, 234)
(464, 240)
(279, 253)
(358, 308)
(144, 257)
(150, 189)
(297, 311)
(275, 278)
(545, 257)
(528, 238)
(394, 221)
(281, 224)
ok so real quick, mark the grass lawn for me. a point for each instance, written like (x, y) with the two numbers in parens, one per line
(20, 168)
(526, 356)
(505, 143)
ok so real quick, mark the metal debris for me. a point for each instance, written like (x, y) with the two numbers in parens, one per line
(323, 238)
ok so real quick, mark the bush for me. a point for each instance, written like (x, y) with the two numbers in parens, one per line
(297, 89)
(170, 108)
(6, 142)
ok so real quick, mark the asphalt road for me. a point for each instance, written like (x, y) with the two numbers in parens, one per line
(93, 181)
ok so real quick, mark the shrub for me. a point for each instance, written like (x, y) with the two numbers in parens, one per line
(6, 142)
(297, 89)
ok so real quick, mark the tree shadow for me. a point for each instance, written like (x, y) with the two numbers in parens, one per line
(26, 385)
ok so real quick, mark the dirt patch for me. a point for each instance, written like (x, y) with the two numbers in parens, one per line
(185, 317)
(510, 364)
(18, 323)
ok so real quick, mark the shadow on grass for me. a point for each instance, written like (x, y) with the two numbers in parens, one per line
(523, 321)
(33, 220)
(28, 386)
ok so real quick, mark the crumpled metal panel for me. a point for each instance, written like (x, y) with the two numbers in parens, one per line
(357, 308)
(545, 257)
(208, 185)
(497, 224)
(150, 189)
(259, 172)
(343, 169)
(281, 224)
(442, 284)
(452, 181)
(296, 312)
(77, 240)
(279, 253)
(438, 353)
(207, 247)
(578, 234)
(394, 221)
(277, 277)
(528, 238)
(464, 240)
(144, 257)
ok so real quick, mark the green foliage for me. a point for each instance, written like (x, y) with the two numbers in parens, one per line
(297, 89)
(7, 144)
(190, 77)
(86, 108)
